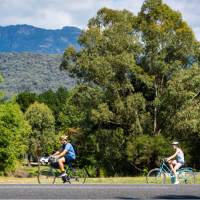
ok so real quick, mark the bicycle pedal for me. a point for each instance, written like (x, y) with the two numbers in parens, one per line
(66, 180)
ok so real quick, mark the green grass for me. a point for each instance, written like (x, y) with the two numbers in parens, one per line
(118, 180)
(114, 180)
(32, 178)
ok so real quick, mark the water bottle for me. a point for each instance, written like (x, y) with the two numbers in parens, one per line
(173, 179)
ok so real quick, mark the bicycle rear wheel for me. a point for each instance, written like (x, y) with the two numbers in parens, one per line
(74, 176)
(46, 175)
(155, 177)
(186, 176)
(77, 175)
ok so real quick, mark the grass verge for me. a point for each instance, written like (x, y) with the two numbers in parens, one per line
(114, 180)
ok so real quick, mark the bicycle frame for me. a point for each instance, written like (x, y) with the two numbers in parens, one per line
(168, 172)
(165, 169)
(184, 174)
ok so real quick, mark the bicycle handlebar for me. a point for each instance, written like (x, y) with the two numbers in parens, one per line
(163, 160)
(52, 159)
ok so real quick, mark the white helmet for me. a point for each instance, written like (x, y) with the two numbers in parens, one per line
(175, 143)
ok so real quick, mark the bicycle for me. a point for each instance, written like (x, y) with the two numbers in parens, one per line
(49, 174)
(164, 175)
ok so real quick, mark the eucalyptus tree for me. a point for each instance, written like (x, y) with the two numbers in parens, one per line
(42, 138)
(128, 61)
(168, 45)
(107, 63)
(182, 110)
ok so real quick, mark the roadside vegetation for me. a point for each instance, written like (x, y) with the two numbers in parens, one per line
(138, 88)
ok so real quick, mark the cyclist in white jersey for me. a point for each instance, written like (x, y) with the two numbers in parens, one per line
(176, 160)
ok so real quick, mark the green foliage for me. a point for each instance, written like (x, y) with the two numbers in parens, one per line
(14, 133)
(54, 100)
(138, 88)
(168, 46)
(42, 121)
(107, 62)
(142, 68)
(146, 150)
(77, 110)
(182, 102)
(110, 150)
(25, 99)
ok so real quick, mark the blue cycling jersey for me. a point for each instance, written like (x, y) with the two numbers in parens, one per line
(70, 150)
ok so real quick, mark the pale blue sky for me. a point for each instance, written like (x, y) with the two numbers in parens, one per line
(53, 14)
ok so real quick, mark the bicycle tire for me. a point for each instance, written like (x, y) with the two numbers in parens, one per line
(80, 175)
(46, 175)
(74, 176)
(154, 176)
(186, 176)
(59, 180)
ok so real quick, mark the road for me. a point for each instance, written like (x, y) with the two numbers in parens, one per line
(99, 191)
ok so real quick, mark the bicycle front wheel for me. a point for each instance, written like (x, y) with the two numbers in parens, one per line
(46, 175)
(155, 176)
(186, 176)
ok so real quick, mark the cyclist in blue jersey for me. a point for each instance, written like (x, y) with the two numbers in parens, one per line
(65, 154)
(176, 160)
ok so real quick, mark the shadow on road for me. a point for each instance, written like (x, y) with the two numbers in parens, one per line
(177, 197)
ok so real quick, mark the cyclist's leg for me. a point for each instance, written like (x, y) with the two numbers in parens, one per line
(176, 167)
(61, 162)
(172, 163)
(69, 160)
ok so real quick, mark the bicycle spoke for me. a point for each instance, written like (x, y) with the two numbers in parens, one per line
(155, 177)
(77, 175)
(186, 176)
(59, 180)
(46, 175)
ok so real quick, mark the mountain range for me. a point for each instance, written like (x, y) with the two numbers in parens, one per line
(30, 58)
(27, 38)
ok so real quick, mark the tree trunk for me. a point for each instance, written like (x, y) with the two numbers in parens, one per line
(138, 122)
(155, 113)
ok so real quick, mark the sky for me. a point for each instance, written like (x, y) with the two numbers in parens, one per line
(54, 14)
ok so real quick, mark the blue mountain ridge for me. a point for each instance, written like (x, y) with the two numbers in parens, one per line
(27, 38)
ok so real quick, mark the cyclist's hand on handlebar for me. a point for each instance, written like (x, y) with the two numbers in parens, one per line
(53, 158)
(166, 159)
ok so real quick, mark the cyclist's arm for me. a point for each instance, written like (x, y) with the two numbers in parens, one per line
(57, 152)
(61, 154)
(173, 156)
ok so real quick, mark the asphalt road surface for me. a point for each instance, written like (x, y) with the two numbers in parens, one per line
(100, 191)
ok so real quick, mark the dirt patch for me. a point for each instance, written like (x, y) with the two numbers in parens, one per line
(21, 174)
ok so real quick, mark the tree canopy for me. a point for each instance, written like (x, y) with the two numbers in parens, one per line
(135, 65)
(14, 134)
(42, 137)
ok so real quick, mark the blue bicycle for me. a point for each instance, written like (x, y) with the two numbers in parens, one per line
(164, 175)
